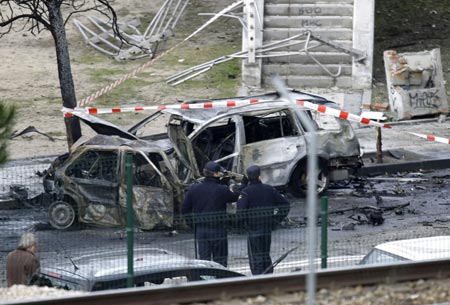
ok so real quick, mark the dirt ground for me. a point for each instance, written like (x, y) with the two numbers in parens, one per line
(29, 79)
(28, 73)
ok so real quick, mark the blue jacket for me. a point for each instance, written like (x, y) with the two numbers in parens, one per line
(205, 203)
(261, 207)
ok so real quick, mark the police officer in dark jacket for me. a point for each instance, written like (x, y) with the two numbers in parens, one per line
(260, 208)
(204, 207)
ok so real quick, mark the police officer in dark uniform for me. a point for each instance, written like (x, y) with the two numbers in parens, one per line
(204, 207)
(260, 208)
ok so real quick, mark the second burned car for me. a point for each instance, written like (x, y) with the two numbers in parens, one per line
(269, 134)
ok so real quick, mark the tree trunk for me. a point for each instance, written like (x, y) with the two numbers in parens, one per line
(58, 31)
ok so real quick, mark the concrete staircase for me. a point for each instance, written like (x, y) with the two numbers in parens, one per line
(329, 19)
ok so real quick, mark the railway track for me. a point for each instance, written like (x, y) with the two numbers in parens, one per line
(246, 287)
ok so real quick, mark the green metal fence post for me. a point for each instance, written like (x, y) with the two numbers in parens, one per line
(130, 216)
(324, 238)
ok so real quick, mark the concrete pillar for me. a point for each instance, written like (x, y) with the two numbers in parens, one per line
(252, 38)
(363, 39)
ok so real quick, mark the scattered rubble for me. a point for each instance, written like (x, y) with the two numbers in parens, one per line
(406, 293)
(29, 129)
(22, 292)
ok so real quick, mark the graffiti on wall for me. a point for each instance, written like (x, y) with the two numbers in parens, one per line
(310, 11)
(424, 99)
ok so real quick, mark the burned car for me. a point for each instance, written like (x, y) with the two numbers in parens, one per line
(269, 134)
(89, 186)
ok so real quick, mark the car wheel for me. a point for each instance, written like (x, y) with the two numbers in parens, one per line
(299, 180)
(61, 215)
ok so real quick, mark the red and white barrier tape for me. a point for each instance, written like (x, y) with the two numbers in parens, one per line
(206, 105)
(341, 114)
(431, 138)
(227, 104)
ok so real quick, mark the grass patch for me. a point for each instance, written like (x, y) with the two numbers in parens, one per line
(419, 25)
(89, 58)
(222, 37)
(128, 90)
(123, 11)
(218, 39)
(145, 20)
(224, 78)
(105, 75)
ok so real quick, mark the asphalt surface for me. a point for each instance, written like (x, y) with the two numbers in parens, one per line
(398, 138)
(413, 204)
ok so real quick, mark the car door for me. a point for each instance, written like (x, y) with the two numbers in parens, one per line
(93, 178)
(153, 199)
(273, 141)
(218, 140)
(188, 164)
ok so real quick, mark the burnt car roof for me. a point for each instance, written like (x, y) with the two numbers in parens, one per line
(116, 141)
(199, 116)
(104, 127)
(273, 102)
(269, 95)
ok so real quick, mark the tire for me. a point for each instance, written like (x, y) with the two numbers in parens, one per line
(61, 215)
(299, 180)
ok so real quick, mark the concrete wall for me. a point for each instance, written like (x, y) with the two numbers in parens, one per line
(349, 23)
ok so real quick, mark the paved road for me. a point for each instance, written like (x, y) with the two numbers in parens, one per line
(398, 138)
(425, 213)
(423, 195)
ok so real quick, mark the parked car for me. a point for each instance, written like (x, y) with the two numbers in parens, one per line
(108, 270)
(89, 185)
(409, 250)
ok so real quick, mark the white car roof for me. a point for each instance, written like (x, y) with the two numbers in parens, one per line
(419, 248)
(114, 262)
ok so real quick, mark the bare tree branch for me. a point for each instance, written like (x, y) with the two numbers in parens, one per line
(35, 16)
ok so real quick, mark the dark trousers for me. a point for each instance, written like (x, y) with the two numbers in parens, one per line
(212, 244)
(258, 244)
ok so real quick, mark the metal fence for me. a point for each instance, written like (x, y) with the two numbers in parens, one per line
(86, 251)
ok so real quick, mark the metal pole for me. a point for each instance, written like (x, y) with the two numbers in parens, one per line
(379, 145)
(311, 193)
(324, 238)
(130, 224)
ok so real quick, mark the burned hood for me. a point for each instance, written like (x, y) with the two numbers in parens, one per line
(104, 127)
(104, 140)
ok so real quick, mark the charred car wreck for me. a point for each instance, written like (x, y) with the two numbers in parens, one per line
(89, 185)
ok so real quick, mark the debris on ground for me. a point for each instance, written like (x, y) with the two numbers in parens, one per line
(29, 129)
(21, 292)
(406, 293)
